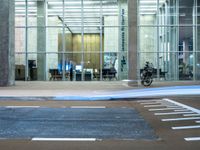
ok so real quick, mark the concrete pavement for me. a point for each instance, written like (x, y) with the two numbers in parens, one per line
(82, 90)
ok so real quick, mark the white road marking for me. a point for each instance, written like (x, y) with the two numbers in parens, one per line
(186, 127)
(184, 106)
(192, 139)
(89, 107)
(22, 106)
(197, 121)
(180, 110)
(173, 113)
(172, 106)
(152, 103)
(180, 119)
(64, 139)
(191, 115)
(160, 109)
(148, 106)
(143, 101)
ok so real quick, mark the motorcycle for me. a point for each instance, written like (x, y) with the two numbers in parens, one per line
(147, 74)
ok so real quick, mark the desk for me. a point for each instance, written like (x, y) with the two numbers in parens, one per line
(56, 75)
(109, 73)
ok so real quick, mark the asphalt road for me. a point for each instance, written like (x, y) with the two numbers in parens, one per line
(118, 116)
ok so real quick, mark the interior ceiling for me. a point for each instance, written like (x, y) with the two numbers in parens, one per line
(73, 12)
(147, 7)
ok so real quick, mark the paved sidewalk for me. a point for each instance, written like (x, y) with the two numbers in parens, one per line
(39, 88)
(76, 89)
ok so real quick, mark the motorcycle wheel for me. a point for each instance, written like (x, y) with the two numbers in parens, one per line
(147, 81)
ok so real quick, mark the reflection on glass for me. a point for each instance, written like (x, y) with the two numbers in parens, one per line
(20, 65)
(64, 35)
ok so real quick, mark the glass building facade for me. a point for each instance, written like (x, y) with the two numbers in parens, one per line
(87, 40)
(169, 38)
(71, 40)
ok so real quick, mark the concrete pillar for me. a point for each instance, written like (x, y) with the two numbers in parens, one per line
(7, 33)
(196, 58)
(123, 39)
(132, 42)
(41, 40)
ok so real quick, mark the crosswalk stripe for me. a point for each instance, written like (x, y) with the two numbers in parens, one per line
(172, 113)
(184, 106)
(160, 109)
(180, 119)
(148, 106)
(89, 107)
(192, 139)
(191, 115)
(186, 127)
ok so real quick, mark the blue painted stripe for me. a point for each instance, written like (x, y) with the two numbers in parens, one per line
(163, 91)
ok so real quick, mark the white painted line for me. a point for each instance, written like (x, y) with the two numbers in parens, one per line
(197, 121)
(180, 119)
(148, 106)
(191, 115)
(64, 139)
(150, 103)
(186, 127)
(89, 107)
(184, 106)
(192, 139)
(173, 106)
(180, 110)
(143, 101)
(22, 106)
(160, 109)
(173, 113)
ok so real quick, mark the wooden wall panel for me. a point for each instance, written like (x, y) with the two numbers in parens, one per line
(91, 49)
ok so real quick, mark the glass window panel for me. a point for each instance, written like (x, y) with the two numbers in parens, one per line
(197, 66)
(111, 39)
(33, 12)
(186, 11)
(33, 66)
(110, 66)
(91, 66)
(20, 66)
(54, 39)
(172, 12)
(73, 14)
(68, 40)
(198, 11)
(20, 40)
(20, 59)
(20, 11)
(150, 57)
(77, 42)
(147, 12)
(32, 39)
(74, 66)
(54, 66)
(186, 66)
(168, 65)
(93, 9)
(148, 39)
(185, 39)
(55, 12)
